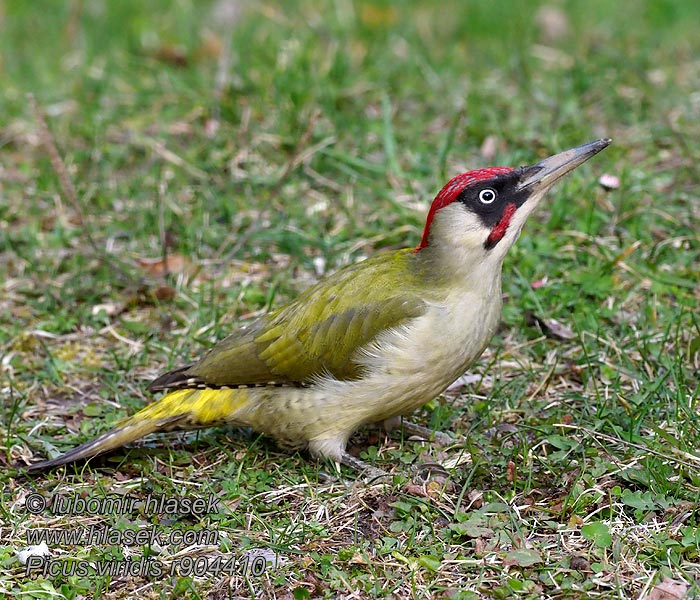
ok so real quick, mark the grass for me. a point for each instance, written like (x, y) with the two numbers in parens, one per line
(259, 147)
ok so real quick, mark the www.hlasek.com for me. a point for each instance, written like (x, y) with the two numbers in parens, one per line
(184, 566)
(99, 535)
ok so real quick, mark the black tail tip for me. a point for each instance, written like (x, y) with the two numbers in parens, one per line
(84, 453)
(45, 465)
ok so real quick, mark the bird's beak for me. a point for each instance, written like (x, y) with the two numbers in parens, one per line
(546, 172)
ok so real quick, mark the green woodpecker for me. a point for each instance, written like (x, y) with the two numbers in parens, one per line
(370, 343)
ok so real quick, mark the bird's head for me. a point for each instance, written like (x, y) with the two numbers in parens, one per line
(478, 215)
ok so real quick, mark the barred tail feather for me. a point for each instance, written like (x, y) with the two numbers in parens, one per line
(180, 409)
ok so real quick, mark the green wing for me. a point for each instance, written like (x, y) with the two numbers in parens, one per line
(318, 333)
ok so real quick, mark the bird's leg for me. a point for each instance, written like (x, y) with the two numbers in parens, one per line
(439, 438)
(333, 449)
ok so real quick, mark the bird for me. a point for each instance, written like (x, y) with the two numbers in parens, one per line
(369, 343)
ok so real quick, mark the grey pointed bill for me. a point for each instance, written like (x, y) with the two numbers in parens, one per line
(549, 170)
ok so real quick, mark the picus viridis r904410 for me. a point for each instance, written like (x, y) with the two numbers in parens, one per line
(371, 342)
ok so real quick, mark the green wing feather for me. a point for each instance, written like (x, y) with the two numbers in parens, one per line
(320, 332)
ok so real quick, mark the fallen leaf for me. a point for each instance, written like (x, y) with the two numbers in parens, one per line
(578, 563)
(434, 488)
(164, 293)
(550, 327)
(555, 329)
(358, 559)
(211, 46)
(476, 498)
(668, 589)
(174, 263)
(172, 55)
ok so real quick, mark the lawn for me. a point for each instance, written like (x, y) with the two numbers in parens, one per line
(169, 169)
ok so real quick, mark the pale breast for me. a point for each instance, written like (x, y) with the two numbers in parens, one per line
(407, 367)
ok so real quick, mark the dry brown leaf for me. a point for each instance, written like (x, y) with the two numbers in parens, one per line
(579, 563)
(435, 487)
(164, 293)
(550, 327)
(358, 559)
(172, 55)
(668, 589)
(510, 471)
(174, 263)
(211, 46)
(476, 499)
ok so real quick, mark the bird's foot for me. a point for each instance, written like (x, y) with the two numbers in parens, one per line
(437, 437)
(333, 449)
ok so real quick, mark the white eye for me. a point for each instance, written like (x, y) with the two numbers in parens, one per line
(487, 196)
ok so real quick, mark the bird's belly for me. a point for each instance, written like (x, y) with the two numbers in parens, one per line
(294, 416)
(409, 367)
(404, 369)
(334, 409)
